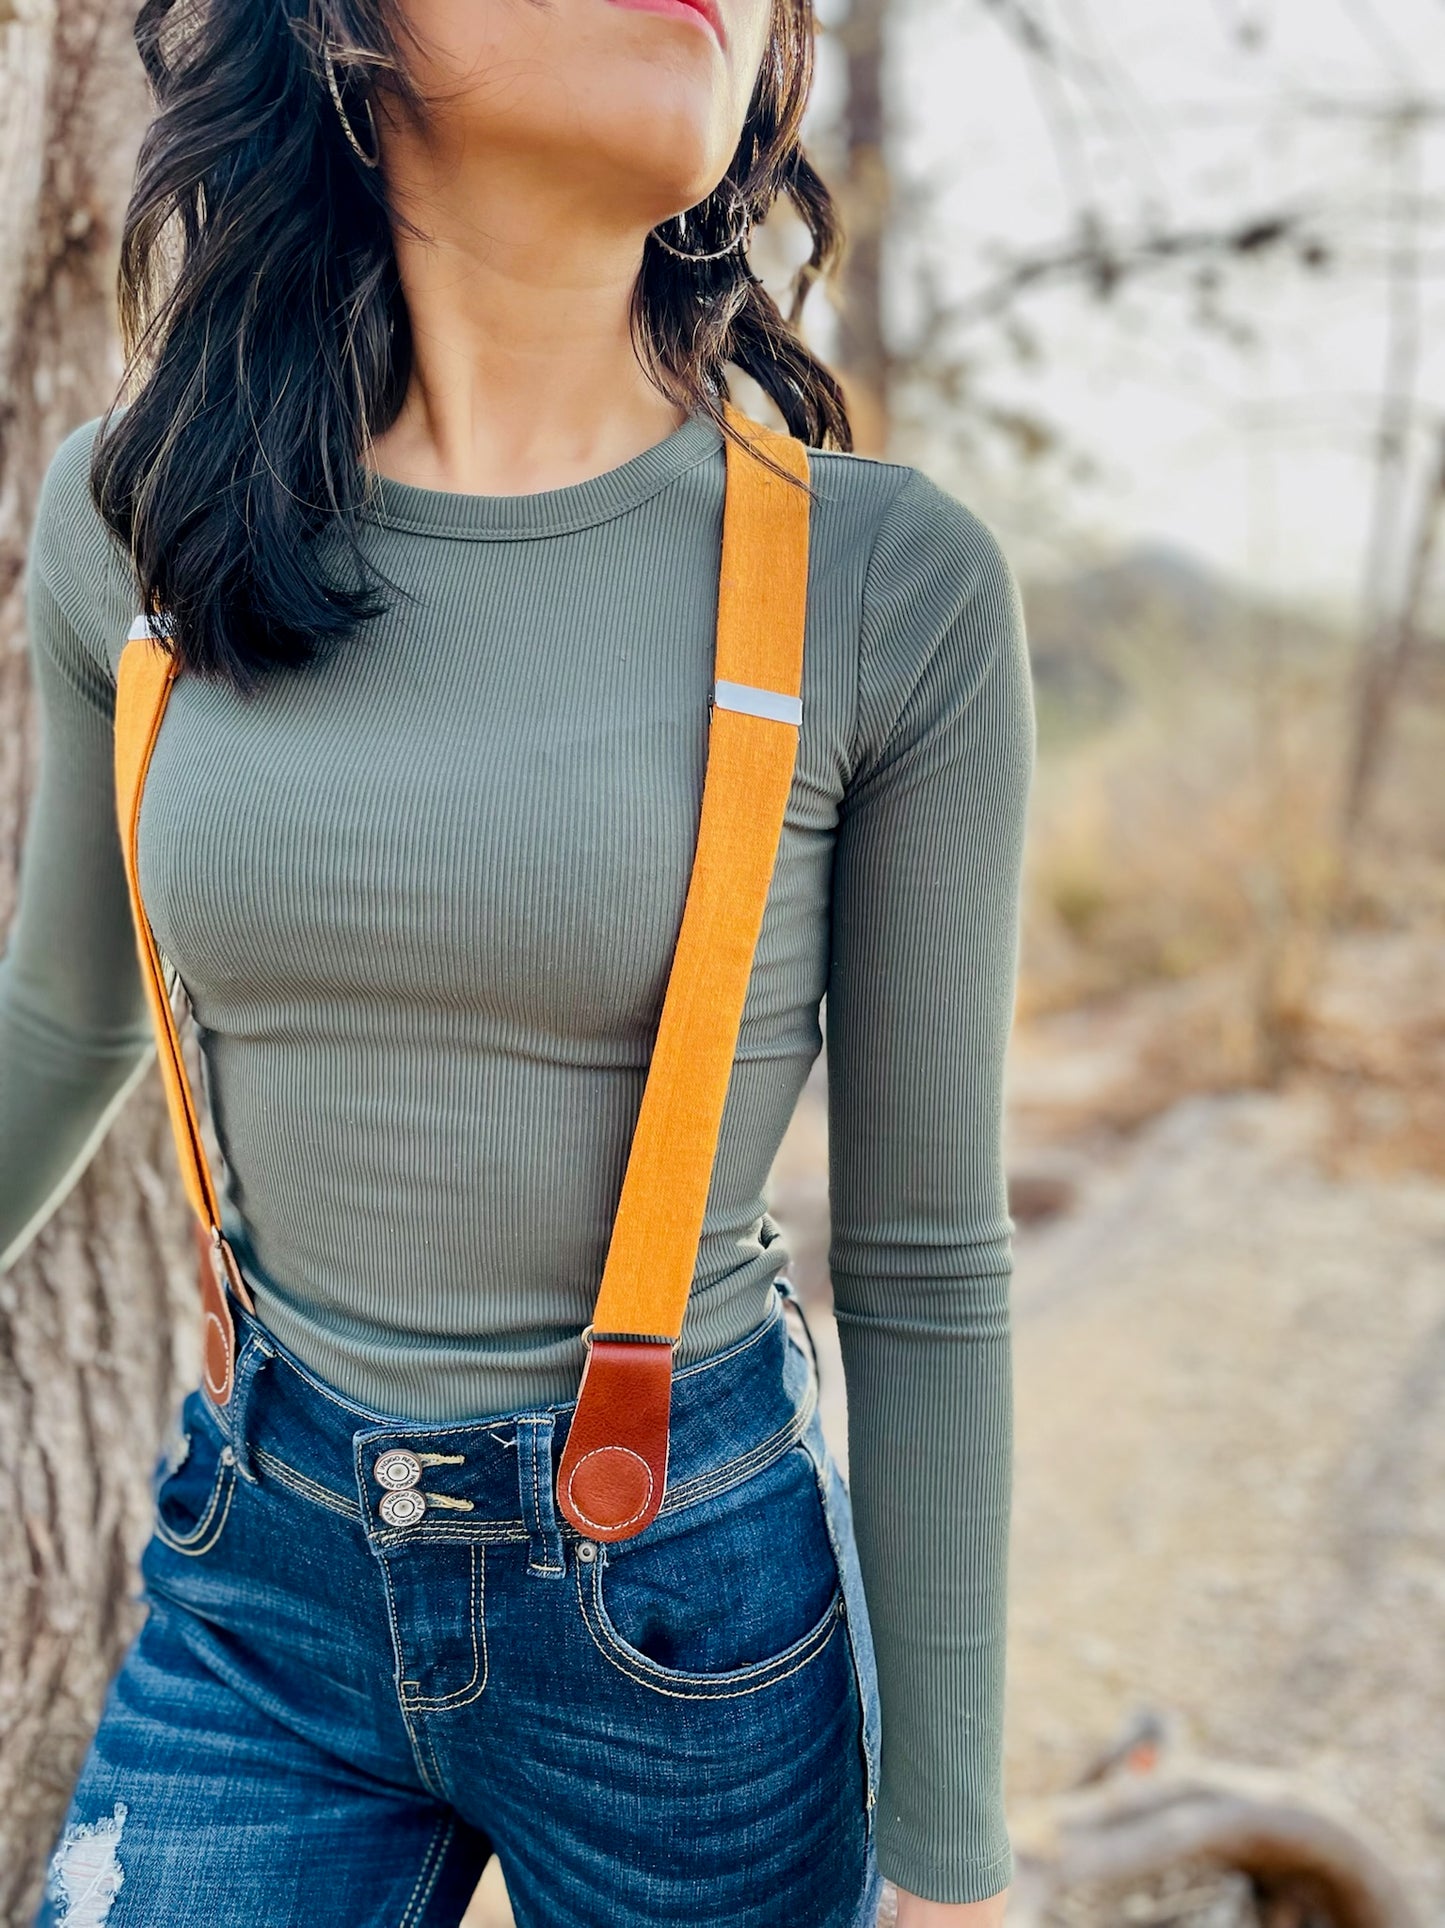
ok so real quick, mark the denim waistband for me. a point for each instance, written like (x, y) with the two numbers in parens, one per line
(491, 1478)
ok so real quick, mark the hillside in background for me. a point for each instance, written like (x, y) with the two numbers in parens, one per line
(1097, 634)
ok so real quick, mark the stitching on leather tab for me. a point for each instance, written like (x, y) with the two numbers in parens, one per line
(219, 1392)
(608, 1526)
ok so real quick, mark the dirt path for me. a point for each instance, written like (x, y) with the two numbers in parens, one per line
(1230, 1485)
(1231, 1474)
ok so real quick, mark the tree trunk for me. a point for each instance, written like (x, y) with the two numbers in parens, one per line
(94, 1345)
(867, 200)
(1387, 655)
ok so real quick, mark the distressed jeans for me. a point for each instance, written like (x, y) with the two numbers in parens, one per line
(374, 1655)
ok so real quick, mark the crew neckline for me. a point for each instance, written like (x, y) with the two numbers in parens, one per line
(548, 512)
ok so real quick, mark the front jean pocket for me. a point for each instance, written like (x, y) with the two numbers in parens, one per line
(726, 1597)
(193, 1495)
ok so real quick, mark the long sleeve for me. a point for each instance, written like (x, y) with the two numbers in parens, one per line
(920, 996)
(74, 1036)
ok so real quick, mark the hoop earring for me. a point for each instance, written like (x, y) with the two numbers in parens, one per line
(735, 244)
(372, 159)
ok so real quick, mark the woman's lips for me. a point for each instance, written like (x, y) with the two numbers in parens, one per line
(706, 13)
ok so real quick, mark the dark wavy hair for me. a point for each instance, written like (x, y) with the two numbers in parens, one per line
(266, 332)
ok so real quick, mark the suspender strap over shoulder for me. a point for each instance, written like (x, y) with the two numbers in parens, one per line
(614, 1468)
(143, 686)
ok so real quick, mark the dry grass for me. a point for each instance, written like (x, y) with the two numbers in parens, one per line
(1192, 829)
(1190, 896)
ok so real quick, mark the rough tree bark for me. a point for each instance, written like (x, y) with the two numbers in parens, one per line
(94, 1343)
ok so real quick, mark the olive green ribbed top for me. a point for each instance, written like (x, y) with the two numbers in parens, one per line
(424, 895)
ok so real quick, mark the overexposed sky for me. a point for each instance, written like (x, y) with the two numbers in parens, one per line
(1250, 443)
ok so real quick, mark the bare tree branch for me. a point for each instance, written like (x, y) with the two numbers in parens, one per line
(1101, 263)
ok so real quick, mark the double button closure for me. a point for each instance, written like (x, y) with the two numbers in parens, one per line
(399, 1473)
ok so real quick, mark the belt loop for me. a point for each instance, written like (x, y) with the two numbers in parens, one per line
(788, 1292)
(534, 1479)
(254, 1354)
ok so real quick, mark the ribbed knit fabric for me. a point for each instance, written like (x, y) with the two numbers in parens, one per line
(424, 895)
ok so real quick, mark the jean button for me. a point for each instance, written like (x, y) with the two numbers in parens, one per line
(402, 1509)
(586, 1552)
(397, 1470)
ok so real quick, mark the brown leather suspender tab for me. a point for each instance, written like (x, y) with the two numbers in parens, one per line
(614, 1466)
(613, 1473)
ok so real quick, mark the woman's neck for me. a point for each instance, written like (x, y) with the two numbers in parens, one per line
(524, 375)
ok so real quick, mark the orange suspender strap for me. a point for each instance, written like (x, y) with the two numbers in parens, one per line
(614, 1468)
(614, 1465)
(143, 684)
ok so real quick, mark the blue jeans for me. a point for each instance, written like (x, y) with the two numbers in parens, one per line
(332, 1721)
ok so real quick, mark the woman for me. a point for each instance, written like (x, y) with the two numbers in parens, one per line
(424, 459)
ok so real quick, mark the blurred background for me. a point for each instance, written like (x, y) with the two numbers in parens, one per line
(1157, 289)
(1154, 286)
